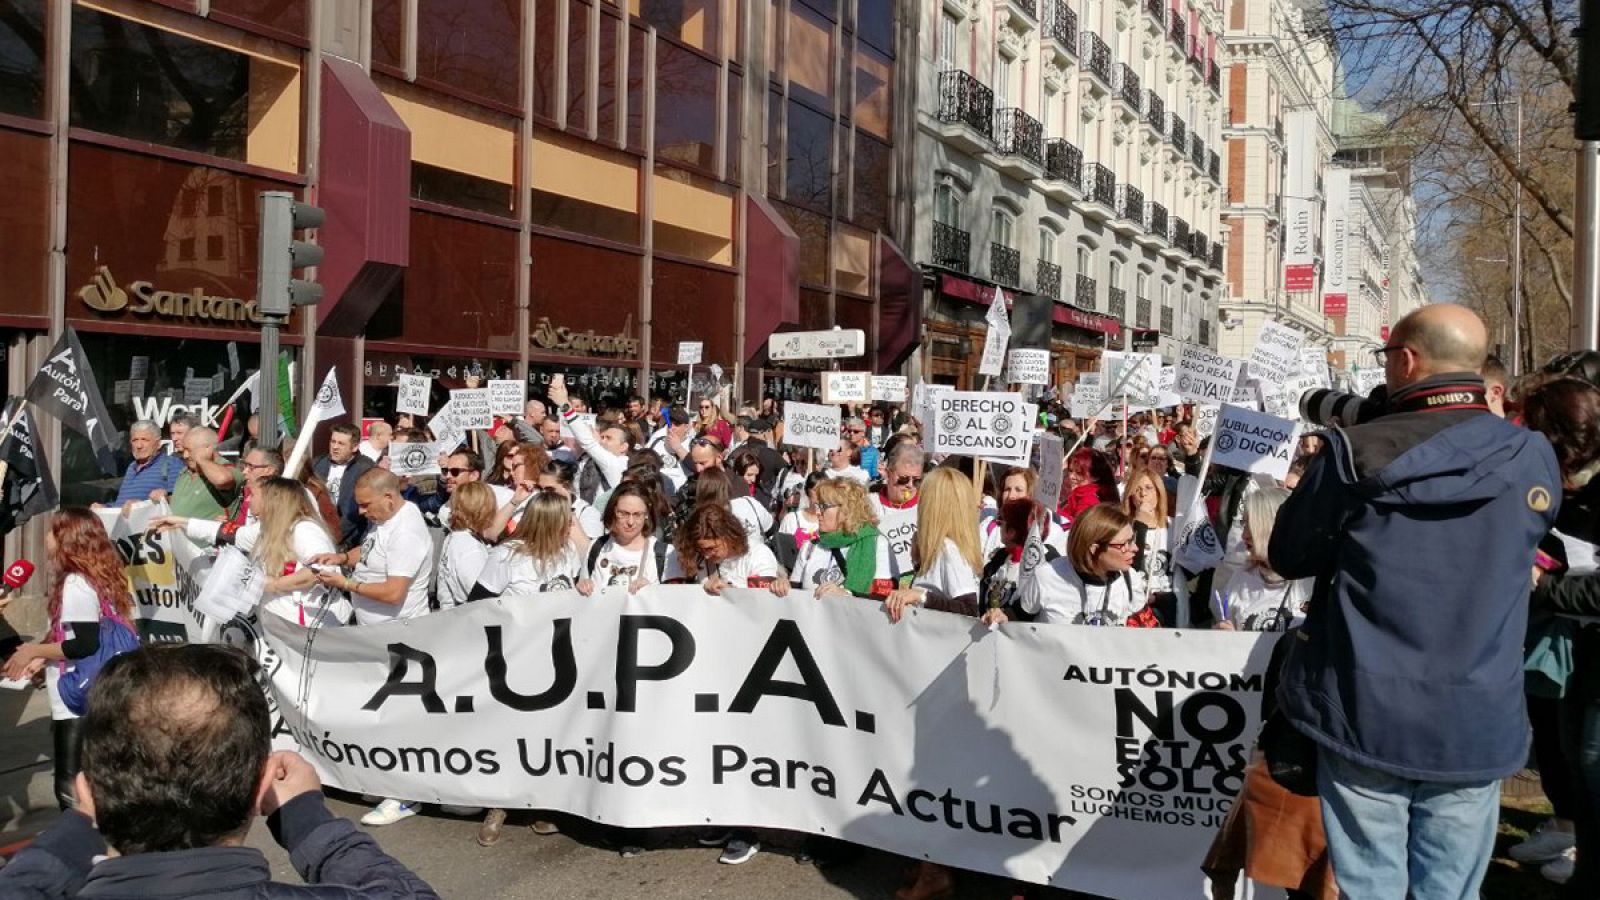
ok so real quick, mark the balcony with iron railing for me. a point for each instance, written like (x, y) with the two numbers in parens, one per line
(1130, 203)
(1018, 134)
(1166, 321)
(1155, 112)
(1214, 79)
(1128, 87)
(1083, 294)
(1197, 57)
(952, 247)
(1199, 246)
(1048, 280)
(1205, 332)
(964, 100)
(1118, 306)
(1061, 26)
(1277, 129)
(1063, 161)
(1216, 257)
(1158, 220)
(1180, 234)
(1214, 167)
(1178, 132)
(1026, 8)
(1142, 308)
(1005, 265)
(1100, 185)
(1156, 9)
(1179, 32)
(1097, 57)
(1197, 152)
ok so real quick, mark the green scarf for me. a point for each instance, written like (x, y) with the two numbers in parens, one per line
(860, 556)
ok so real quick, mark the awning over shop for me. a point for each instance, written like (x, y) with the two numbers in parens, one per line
(899, 307)
(772, 277)
(1062, 313)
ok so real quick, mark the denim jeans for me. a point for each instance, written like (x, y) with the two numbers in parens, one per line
(1580, 739)
(1391, 838)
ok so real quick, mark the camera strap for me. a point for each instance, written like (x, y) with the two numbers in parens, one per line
(1441, 398)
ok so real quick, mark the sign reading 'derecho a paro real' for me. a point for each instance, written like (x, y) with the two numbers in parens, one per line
(978, 423)
(1206, 377)
(811, 425)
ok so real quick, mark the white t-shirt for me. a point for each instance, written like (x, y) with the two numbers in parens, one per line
(462, 559)
(335, 476)
(398, 548)
(755, 518)
(1157, 568)
(854, 473)
(1253, 602)
(800, 528)
(899, 526)
(993, 535)
(618, 567)
(817, 565)
(502, 496)
(589, 519)
(79, 603)
(950, 576)
(757, 562)
(519, 573)
(1059, 597)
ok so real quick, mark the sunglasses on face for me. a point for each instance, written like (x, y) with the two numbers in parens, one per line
(456, 472)
(908, 480)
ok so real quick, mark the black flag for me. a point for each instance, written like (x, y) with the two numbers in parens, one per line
(25, 488)
(65, 388)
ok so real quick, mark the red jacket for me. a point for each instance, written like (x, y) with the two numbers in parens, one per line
(1081, 498)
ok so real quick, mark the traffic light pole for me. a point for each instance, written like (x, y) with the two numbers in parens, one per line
(267, 415)
(1586, 258)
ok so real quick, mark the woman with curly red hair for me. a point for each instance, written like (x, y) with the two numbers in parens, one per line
(89, 584)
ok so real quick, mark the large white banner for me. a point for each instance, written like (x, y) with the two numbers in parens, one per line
(1039, 752)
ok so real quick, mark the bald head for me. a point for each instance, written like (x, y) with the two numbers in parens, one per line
(1443, 337)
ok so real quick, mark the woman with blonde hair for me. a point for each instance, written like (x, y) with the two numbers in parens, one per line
(464, 555)
(945, 549)
(1145, 501)
(850, 555)
(713, 422)
(287, 534)
(543, 554)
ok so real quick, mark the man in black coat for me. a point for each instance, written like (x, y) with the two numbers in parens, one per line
(339, 471)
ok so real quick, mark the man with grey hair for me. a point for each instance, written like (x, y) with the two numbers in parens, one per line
(152, 469)
(208, 486)
(896, 503)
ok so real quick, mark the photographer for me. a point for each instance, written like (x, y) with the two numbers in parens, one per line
(1419, 528)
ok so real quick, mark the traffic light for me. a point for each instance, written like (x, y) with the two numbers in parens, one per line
(1587, 120)
(279, 291)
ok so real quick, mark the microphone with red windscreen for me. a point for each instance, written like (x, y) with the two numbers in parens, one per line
(16, 575)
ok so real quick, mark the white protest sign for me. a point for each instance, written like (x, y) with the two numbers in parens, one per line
(1028, 366)
(329, 404)
(1314, 363)
(1051, 472)
(1195, 546)
(1206, 377)
(1274, 401)
(930, 422)
(1205, 419)
(846, 387)
(1254, 442)
(978, 423)
(232, 587)
(413, 396)
(413, 460)
(1166, 397)
(448, 433)
(1366, 380)
(998, 337)
(1277, 352)
(889, 388)
(690, 352)
(472, 408)
(810, 425)
(1021, 456)
(1296, 387)
(1137, 372)
(507, 396)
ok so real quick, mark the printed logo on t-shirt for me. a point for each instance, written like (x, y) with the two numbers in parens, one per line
(557, 583)
(1276, 619)
(611, 575)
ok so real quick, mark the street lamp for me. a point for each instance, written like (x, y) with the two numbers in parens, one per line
(1516, 241)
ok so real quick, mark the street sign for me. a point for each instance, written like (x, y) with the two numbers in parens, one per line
(833, 344)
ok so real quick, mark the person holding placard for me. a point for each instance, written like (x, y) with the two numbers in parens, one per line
(1095, 583)
(850, 555)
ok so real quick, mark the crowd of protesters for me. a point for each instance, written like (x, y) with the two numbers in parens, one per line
(590, 494)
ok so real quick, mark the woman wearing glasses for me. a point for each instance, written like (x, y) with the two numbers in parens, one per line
(716, 552)
(630, 555)
(1094, 584)
(850, 555)
(712, 422)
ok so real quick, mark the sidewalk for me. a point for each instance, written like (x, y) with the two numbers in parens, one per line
(27, 796)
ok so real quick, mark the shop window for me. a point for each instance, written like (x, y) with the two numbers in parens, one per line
(22, 54)
(24, 222)
(808, 57)
(578, 65)
(637, 70)
(146, 83)
(287, 17)
(461, 155)
(546, 36)
(691, 303)
(463, 267)
(852, 260)
(875, 23)
(812, 230)
(608, 283)
(693, 217)
(686, 107)
(472, 47)
(809, 158)
(872, 166)
(582, 188)
(694, 22)
(874, 110)
(612, 34)
(389, 34)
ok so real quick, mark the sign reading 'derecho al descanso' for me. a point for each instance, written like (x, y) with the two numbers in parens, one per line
(979, 423)
(1254, 442)
(811, 425)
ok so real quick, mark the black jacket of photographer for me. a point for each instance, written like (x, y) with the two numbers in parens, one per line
(1419, 528)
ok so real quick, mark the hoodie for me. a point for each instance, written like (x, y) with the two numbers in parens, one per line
(1419, 529)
